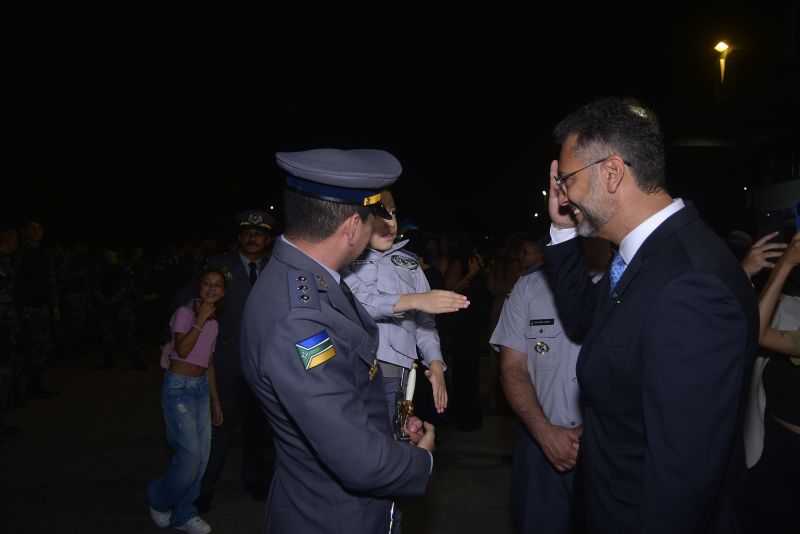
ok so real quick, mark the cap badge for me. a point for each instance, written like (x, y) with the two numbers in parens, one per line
(370, 200)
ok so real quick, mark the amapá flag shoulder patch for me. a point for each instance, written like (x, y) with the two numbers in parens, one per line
(315, 350)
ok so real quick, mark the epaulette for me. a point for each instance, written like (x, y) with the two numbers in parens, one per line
(303, 289)
(532, 270)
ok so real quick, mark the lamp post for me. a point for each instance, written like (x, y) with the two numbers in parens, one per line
(723, 48)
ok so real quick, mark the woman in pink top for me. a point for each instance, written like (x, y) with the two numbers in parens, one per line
(191, 405)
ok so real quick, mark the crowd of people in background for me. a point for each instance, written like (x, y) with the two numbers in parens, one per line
(116, 299)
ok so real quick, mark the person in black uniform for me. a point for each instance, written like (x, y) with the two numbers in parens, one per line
(309, 354)
(36, 297)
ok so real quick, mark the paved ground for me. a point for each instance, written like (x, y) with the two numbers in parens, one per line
(82, 462)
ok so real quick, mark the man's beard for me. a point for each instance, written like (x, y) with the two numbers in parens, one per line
(595, 213)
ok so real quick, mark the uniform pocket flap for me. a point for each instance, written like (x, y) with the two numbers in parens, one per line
(543, 328)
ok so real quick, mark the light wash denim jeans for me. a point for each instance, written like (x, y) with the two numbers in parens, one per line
(187, 416)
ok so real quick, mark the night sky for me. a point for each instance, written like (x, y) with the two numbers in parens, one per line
(141, 144)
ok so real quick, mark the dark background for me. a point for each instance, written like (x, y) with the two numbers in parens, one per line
(134, 141)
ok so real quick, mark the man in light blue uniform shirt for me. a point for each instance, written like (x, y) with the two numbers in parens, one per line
(537, 362)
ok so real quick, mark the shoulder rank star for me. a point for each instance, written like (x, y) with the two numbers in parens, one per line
(373, 371)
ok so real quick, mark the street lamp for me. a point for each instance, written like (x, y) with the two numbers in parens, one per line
(723, 48)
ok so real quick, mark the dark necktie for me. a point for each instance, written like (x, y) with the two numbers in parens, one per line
(615, 271)
(348, 294)
(253, 272)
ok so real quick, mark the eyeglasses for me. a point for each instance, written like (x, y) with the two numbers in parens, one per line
(561, 181)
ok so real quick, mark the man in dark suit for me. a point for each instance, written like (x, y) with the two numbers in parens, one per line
(241, 271)
(309, 355)
(669, 337)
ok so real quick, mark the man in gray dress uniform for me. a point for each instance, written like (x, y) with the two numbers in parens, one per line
(309, 355)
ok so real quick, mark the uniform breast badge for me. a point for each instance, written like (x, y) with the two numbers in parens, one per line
(541, 348)
(373, 371)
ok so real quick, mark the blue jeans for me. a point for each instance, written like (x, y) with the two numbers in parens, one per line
(187, 416)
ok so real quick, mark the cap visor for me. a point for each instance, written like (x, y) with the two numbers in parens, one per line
(380, 210)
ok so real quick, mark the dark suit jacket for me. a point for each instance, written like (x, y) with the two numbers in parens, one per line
(337, 465)
(237, 288)
(662, 371)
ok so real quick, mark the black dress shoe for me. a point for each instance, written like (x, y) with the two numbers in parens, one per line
(8, 430)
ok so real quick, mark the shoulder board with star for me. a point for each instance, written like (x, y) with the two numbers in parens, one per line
(303, 289)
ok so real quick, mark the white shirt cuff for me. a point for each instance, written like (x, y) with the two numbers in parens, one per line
(560, 235)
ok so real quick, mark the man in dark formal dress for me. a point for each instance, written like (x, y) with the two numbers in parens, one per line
(668, 337)
(241, 270)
